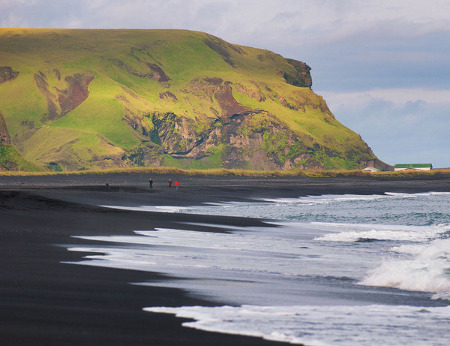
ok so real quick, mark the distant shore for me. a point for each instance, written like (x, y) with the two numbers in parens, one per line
(47, 301)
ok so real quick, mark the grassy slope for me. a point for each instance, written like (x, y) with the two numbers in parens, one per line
(95, 128)
(10, 159)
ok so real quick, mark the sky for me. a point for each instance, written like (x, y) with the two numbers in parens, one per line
(382, 66)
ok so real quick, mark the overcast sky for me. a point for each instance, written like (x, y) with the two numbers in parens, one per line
(383, 66)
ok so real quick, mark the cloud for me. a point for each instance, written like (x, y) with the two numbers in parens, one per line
(396, 96)
(401, 125)
(316, 21)
(291, 26)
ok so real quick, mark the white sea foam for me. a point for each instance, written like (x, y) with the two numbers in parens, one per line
(415, 195)
(222, 250)
(280, 251)
(326, 199)
(353, 236)
(149, 208)
(439, 248)
(358, 232)
(323, 199)
(426, 267)
(241, 266)
(323, 325)
(307, 200)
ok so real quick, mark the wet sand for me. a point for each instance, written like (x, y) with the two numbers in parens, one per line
(45, 301)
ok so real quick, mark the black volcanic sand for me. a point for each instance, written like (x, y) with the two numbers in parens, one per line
(47, 302)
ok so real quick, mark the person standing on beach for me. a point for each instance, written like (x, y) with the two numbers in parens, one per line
(170, 183)
(176, 185)
(151, 183)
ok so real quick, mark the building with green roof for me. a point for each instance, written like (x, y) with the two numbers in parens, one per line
(417, 166)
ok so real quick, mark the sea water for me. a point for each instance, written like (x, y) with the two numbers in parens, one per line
(328, 270)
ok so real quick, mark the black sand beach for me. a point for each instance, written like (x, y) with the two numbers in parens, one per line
(45, 301)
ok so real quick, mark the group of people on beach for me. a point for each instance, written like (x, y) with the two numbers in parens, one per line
(177, 184)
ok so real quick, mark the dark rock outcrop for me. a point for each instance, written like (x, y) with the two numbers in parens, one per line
(158, 73)
(227, 101)
(153, 71)
(168, 96)
(62, 101)
(302, 77)
(252, 139)
(7, 74)
(75, 93)
(223, 48)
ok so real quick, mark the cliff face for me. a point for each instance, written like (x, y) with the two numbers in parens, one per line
(81, 99)
(238, 137)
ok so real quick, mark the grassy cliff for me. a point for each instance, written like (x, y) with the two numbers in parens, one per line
(90, 99)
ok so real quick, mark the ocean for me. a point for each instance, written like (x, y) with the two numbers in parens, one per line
(327, 270)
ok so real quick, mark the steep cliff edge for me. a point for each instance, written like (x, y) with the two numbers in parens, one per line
(80, 99)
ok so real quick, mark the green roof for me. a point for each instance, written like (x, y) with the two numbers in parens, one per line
(413, 165)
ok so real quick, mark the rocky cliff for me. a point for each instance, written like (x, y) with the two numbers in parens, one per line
(80, 99)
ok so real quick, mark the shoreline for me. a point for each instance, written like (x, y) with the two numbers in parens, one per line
(96, 189)
(49, 302)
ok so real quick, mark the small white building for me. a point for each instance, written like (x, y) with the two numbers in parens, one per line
(415, 166)
(371, 169)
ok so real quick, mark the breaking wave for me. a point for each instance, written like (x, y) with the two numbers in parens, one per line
(424, 267)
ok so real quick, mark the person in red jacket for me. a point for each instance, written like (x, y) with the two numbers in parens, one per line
(176, 185)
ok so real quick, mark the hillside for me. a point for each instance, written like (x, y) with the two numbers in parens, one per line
(89, 99)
